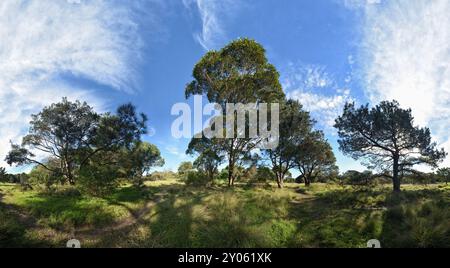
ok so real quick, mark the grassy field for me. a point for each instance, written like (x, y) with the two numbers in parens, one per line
(170, 214)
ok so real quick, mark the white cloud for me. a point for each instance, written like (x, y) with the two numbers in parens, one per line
(213, 14)
(41, 41)
(307, 77)
(317, 92)
(325, 109)
(407, 47)
(357, 4)
(175, 151)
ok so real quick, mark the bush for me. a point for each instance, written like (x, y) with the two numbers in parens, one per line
(98, 180)
(195, 178)
(40, 176)
(223, 175)
(155, 176)
(3, 175)
(263, 174)
(161, 175)
(185, 168)
(357, 179)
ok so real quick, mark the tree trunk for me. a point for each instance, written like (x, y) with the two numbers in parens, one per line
(395, 177)
(70, 173)
(280, 178)
(230, 172)
(279, 182)
(307, 181)
(308, 178)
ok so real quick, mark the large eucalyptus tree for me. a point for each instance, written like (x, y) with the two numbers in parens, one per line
(237, 73)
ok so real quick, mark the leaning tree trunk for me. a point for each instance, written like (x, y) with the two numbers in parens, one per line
(280, 182)
(395, 175)
(280, 177)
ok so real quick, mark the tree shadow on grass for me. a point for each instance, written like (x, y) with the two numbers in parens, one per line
(417, 218)
(65, 213)
(164, 224)
(127, 194)
(349, 218)
(13, 229)
(210, 217)
(337, 218)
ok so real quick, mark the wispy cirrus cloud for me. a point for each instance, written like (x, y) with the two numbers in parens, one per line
(44, 41)
(317, 91)
(213, 15)
(407, 57)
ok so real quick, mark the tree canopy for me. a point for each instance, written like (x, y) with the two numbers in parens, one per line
(385, 136)
(295, 126)
(185, 167)
(209, 155)
(67, 137)
(138, 161)
(444, 174)
(314, 157)
(238, 73)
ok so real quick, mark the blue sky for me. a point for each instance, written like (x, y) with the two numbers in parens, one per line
(327, 52)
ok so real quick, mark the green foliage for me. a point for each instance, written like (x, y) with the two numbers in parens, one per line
(61, 130)
(11, 231)
(209, 155)
(185, 168)
(417, 177)
(386, 137)
(295, 126)
(48, 178)
(100, 175)
(161, 176)
(238, 73)
(3, 175)
(223, 174)
(139, 160)
(180, 216)
(444, 175)
(197, 178)
(418, 219)
(314, 158)
(74, 136)
(264, 174)
(356, 178)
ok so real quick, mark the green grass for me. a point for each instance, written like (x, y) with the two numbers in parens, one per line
(169, 214)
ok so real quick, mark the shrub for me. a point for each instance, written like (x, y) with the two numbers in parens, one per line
(185, 168)
(3, 175)
(196, 178)
(98, 180)
(223, 175)
(161, 175)
(263, 174)
(357, 179)
(40, 176)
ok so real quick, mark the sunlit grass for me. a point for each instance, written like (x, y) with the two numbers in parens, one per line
(168, 214)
